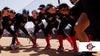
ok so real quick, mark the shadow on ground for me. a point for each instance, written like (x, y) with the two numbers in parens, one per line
(39, 51)
(51, 52)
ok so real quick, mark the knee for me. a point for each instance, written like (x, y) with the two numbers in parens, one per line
(78, 29)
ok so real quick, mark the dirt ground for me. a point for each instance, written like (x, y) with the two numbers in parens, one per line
(27, 50)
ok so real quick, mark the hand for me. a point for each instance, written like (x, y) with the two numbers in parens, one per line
(22, 24)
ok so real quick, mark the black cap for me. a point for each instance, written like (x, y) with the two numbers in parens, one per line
(41, 6)
(63, 5)
(48, 6)
(6, 8)
(25, 11)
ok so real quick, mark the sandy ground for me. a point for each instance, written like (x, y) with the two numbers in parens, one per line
(27, 50)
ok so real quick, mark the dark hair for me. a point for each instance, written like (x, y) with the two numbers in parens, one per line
(6, 8)
(34, 11)
(41, 6)
(12, 11)
(25, 11)
(63, 5)
(48, 7)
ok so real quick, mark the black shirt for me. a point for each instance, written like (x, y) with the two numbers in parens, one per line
(51, 18)
(37, 22)
(19, 18)
(7, 21)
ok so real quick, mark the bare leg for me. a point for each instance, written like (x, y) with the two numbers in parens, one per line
(82, 23)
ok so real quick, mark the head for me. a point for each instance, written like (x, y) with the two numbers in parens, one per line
(5, 11)
(25, 13)
(64, 9)
(73, 1)
(12, 14)
(42, 8)
(50, 9)
(35, 14)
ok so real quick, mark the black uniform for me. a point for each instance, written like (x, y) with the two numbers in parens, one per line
(38, 24)
(75, 12)
(52, 22)
(0, 21)
(92, 9)
(41, 15)
(20, 21)
(6, 23)
(65, 19)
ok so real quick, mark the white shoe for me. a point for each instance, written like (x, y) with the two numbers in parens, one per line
(13, 46)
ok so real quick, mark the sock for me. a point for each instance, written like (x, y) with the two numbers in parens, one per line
(47, 40)
(74, 43)
(35, 39)
(17, 41)
(90, 37)
(70, 41)
(60, 39)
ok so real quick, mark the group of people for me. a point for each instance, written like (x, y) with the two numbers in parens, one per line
(49, 13)
(83, 16)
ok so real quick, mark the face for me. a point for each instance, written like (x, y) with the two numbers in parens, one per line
(42, 10)
(25, 15)
(65, 11)
(52, 10)
(6, 13)
(11, 15)
(73, 1)
(34, 14)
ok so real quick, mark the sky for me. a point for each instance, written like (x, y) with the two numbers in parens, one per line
(14, 4)
(19, 5)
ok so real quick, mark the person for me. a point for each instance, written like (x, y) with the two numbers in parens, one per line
(6, 23)
(21, 19)
(38, 25)
(65, 18)
(0, 26)
(0, 14)
(41, 11)
(89, 17)
(51, 23)
(0, 20)
(77, 8)
(75, 12)
(12, 18)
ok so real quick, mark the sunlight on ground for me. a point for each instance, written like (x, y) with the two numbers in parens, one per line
(27, 50)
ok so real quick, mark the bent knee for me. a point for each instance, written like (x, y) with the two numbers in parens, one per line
(78, 29)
